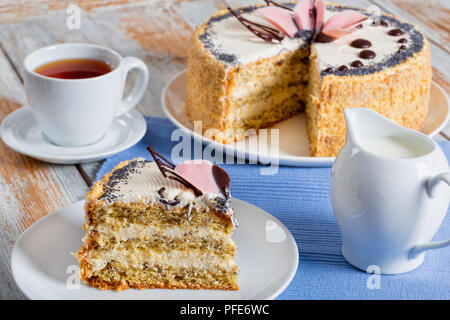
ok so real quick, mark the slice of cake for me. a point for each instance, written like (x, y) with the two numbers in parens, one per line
(151, 224)
(252, 66)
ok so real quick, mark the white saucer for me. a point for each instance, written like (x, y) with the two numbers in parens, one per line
(21, 133)
(42, 264)
(293, 140)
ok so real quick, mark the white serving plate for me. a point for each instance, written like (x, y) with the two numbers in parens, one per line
(43, 267)
(294, 144)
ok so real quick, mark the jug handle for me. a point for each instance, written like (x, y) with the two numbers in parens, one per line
(431, 189)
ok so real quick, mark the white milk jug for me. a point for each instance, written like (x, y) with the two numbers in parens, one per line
(389, 193)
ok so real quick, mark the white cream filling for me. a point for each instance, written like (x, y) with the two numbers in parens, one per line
(176, 259)
(140, 231)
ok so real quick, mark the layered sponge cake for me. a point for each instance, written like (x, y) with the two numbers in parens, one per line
(150, 224)
(237, 80)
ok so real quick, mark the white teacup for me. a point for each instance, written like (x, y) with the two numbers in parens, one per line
(78, 112)
(389, 193)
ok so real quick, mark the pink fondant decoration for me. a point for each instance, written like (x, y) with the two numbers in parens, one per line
(301, 15)
(280, 18)
(343, 20)
(320, 10)
(337, 33)
(337, 26)
(198, 173)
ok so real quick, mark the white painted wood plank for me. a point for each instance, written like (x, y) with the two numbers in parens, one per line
(89, 171)
(19, 10)
(10, 83)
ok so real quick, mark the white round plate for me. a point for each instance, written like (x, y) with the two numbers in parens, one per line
(43, 267)
(20, 132)
(293, 140)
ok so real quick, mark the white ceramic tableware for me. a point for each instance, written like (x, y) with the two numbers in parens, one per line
(78, 112)
(293, 141)
(20, 132)
(43, 267)
(389, 193)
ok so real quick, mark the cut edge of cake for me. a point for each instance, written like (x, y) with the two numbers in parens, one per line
(122, 240)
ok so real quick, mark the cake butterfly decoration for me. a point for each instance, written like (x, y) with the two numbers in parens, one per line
(306, 15)
(167, 170)
(199, 175)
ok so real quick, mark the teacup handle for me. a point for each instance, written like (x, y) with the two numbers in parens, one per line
(130, 101)
(431, 189)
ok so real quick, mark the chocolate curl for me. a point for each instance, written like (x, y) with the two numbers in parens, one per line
(158, 161)
(264, 32)
(163, 199)
(166, 169)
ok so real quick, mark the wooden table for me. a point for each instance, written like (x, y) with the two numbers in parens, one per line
(157, 32)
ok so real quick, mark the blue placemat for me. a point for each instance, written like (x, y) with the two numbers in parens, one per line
(299, 197)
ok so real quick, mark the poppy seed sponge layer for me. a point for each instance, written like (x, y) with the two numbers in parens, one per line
(135, 239)
(236, 81)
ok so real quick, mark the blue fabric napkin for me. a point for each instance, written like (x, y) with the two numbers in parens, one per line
(300, 199)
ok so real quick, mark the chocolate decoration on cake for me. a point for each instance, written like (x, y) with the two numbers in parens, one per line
(343, 68)
(220, 176)
(402, 40)
(291, 24)
(328, 70)
(222, 179)
(402, 47)
(160, 192)
(382, 23)
(357, 64)
(360, 43)
(167, 171)
(264, 32)
(367, 54)
(313, 15)
(166, 201)
(323, 38)
(395, 32)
